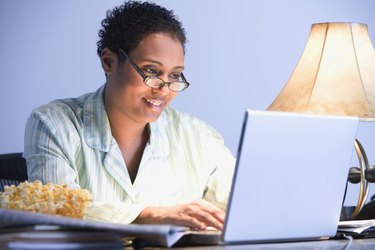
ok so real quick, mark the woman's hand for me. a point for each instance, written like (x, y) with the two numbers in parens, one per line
(198, 215)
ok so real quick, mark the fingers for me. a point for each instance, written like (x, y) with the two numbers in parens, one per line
(177, 215)
(199, 215)
(208, 214)
(190, 221)
(218, 213)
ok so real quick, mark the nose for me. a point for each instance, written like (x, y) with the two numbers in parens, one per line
(165, 86)
(163, 89)
(164, 78)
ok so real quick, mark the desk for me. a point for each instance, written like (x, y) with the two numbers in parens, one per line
(362, 244)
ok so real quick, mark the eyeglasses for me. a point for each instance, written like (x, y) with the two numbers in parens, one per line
(155, 82)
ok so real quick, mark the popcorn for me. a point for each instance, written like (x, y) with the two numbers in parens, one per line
(49, 198)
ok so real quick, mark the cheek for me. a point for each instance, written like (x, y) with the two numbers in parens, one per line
(130, 84)
(126, 93)
(133, 93)
(125, 76)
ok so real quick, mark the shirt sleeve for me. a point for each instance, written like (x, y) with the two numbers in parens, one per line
(222, 161)
(47, 152)
(219, 184)
(49, 149)
(114, 212)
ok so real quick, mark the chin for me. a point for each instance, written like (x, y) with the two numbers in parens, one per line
(153, 117)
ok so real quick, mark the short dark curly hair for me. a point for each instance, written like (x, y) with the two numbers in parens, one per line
(126, 25)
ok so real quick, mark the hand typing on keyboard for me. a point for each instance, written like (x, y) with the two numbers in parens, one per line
(198, 215)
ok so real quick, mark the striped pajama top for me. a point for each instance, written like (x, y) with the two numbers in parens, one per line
(69, 141)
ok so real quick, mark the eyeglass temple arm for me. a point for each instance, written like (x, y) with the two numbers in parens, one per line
(134, 65)
(183, 78)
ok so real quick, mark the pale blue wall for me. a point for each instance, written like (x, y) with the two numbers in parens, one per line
(239, 55)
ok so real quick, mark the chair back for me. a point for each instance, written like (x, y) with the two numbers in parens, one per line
(12, 169)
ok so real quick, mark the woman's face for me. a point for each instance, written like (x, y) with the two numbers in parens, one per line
(127, 95)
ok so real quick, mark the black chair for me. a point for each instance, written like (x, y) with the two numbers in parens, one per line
(12, 170)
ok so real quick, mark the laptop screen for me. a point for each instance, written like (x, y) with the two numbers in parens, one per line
(290, 176)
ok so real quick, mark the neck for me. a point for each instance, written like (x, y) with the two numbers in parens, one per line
(130, 135)
(131, 139)
(123, 128)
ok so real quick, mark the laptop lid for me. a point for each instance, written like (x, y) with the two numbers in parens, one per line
(290, 176)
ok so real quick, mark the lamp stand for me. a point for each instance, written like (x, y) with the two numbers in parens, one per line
(364, 187)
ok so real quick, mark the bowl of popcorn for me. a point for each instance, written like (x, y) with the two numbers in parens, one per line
(49, 198)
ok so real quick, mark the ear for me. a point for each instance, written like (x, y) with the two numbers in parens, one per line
(108, 59)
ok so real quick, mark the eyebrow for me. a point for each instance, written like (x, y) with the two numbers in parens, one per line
(159, 63)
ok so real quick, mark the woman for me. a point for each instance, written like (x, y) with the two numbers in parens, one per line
(143, 161)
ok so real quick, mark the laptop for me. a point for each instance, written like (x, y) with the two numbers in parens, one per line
(289, 180)
(290, 177)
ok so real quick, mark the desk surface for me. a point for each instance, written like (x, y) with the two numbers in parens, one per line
(362, 244)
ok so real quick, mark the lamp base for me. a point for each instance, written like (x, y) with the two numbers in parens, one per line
(366, 213)
(353, 212)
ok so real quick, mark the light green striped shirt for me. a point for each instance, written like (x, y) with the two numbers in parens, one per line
(69, 141)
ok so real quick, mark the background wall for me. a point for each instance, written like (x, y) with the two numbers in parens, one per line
(239, 55)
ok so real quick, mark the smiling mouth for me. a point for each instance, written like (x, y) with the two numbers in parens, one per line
(155, 104)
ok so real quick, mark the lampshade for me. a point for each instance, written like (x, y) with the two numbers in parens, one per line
(335, 75)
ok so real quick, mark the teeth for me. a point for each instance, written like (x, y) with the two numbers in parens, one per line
(154, 102)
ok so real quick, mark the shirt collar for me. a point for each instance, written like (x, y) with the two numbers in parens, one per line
(97, 131)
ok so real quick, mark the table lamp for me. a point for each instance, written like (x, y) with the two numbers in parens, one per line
(335, 75)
